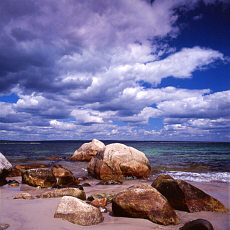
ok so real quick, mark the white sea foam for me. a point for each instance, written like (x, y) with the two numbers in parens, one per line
(201, 177)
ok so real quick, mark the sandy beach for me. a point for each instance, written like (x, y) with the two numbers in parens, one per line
(38, 214)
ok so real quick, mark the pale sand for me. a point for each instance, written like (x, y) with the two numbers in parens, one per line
(38, 214)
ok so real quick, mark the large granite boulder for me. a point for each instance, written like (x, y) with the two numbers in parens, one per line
(143, 201)
(74, 192)
(88, 150)
(186, 197)
(78, 212)
(42, 177)
(118, 161)
(17, 170)
(5, 168)
(63, 176)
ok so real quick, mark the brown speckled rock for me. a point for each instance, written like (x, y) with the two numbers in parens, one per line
(74, 192)
(186, 197)
(88, 150)
(42, 177)
(16, 170)
(118, 161)
(63, 176)
(143, 201)
(24, 195)
(78, 212)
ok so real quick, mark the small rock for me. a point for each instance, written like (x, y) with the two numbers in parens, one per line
(99, 202)
(54, 158)
(103, 209)
(108, 196)
(4, 226)
(74, 192)
(24, 195)
(78, 212)
(109, 182)
(199, 224)
(85, 185)
(13, 183)
(82, 178)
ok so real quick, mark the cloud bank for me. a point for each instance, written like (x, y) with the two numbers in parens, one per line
(85, 69)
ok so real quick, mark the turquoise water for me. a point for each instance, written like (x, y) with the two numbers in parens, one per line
(196, 161)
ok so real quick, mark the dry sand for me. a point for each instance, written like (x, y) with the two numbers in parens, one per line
(38, 214)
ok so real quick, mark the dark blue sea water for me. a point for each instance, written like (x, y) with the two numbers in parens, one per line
(194, 161)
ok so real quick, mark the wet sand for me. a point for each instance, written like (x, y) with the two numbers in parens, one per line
(38, 214)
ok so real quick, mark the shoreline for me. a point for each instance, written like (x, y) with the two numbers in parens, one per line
(38, 214)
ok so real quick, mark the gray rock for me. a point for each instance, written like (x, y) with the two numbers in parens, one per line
(78, 212)
(5, 168)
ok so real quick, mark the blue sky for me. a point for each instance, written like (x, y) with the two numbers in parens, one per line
(124, 69)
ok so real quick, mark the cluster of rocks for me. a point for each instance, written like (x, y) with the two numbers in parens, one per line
(112, 163)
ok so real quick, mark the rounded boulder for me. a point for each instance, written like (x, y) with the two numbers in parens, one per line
(88, 150)
(117, 161)
(143, 201)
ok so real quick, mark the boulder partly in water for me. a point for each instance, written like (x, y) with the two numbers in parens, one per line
(117, 161)
(186, 197)
(42, 177)
(17, 170)
(88, 150)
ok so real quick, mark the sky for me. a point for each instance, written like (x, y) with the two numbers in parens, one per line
(115, 70)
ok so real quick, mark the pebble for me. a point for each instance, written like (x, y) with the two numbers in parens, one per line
(4, 226)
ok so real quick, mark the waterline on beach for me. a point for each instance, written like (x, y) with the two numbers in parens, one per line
(201, 177)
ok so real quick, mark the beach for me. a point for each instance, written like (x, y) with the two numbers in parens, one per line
(38, 214)
(204, 165)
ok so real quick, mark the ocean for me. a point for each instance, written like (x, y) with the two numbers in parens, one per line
(191, 161)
